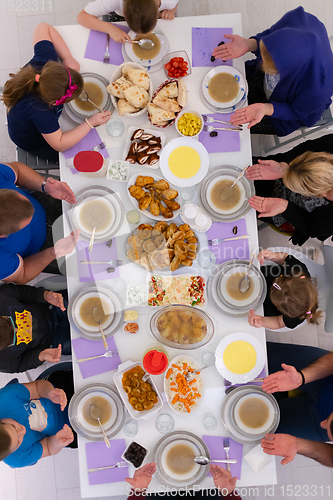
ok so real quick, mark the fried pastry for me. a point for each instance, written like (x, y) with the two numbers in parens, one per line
(137, 192)
(175, 263)
(143, 180)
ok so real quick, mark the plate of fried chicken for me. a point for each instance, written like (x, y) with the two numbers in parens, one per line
(153, 196)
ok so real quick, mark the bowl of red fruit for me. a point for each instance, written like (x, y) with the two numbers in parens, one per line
(177, 64)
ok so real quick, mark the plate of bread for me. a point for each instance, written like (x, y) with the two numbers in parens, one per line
(168, 100)
(131, 89)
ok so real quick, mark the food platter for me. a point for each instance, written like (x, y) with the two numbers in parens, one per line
(243, 87)
(216, 174)
(242, 343)
(231, 423)
(78, 114)
(164, 475)
(148, 63)
(85, 429)
(214, 290)
(113, 203)
(127, 144)
(115, 310)
(182, 289)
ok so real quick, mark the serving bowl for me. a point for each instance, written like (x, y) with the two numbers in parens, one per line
(192, 112)
(177, 53)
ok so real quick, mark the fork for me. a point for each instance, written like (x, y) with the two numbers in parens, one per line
(106, 59)
(107, 354)
(209, 119)
(216, 241)
(111, 262)
(226, 446)
(120, 465)
(209, 128)
(99, 147)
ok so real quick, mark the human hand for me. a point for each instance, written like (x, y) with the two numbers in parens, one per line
(266, 170)
(70, 62)
(254, 319)
(58, 397)
(65, 436)
(167, 14)
(223, 479)
(236, 48)
(56, 299)
(118, 35)
(264, 255)
(251, 114)
(268, 206)
(59, 190)
(286, 379)
(66, 245)
(142, 477)
(51, 355)
(99, 118)
(283, 445)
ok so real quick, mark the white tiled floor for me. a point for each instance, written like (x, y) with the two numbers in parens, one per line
(57, 478)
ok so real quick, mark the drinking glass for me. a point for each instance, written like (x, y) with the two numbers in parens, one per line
(131, 427)
(164, 423)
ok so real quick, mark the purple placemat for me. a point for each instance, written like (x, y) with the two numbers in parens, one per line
(96, 47)
(84, 348)
(204, 40)
(228, 250)
(215, 446)
(96, 272)
(88, 142)
(98, 455)
(262, 374)
(225, 142)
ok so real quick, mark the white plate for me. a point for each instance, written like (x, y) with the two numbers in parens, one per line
(192, 143)
(231, 71)
(150, 69)
(128, 142)
(117, 378)
(170, 395)
(106, 200)
(249, 430)
(210, 186)
(135, 202)
(239, 378)
(102, 84)
(225, 111)
(148, 62)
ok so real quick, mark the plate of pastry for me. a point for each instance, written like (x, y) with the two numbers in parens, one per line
(143, 146)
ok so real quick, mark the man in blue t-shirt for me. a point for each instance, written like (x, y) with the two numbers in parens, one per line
(306, 420)
(25, 250)
(33, 422)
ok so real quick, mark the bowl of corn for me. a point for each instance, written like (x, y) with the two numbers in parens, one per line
(189, 123)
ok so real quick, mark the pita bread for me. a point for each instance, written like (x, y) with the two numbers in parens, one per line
(117, 87)
(125, 107)
(158, 114)
(165, 103)
(139, 77)
(137, 96)
(182, 95)
(125, 69)
(170, 90)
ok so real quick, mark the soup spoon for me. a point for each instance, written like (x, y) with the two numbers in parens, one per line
(91, 242)
(96, 413)
(85, 98)
(201, 460)
(97, 315)
(226, 193)
(145, 43)
(244, 283)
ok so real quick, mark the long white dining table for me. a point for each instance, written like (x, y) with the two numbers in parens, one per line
(179, 35)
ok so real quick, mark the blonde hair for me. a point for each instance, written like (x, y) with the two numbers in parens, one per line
(268, 65)
(297, 297)
(310, 174)
(52, 85)
(141, 15)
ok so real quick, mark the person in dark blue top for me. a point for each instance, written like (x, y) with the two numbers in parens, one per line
(34, 98)
(291, 79)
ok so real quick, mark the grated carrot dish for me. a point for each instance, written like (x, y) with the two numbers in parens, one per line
(184, 396)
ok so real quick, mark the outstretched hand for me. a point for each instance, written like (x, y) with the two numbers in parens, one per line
(54, 298)
(58, 397)
(283, 445)
(286, 379)
(142, 477)
(223, 479)
(66, 245)
(266, 170)
(65, 436)
(254, 319)
(267, 207)
(251, 114)
(237, 47)
(51, 355)
(59, 190)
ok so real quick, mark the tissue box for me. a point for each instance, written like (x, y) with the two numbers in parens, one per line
(257, 458)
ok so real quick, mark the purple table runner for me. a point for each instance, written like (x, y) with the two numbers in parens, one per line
(96, 47)
(88, 142)
(98, 455)
(228, 250)
(225, 141)
(204, 40)
(215, 446)
(84, 348)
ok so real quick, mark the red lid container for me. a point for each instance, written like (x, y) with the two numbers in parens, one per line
(155, 362)
(88, 161)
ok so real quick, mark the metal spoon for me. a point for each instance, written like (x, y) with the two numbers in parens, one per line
(98, 315)
(91, 242)
(189, 375)
(145, 43)
(84, 97)
(227, 191)
(201, 460)
(95, 413)
(244, 283)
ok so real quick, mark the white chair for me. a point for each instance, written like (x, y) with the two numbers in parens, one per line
(324, 276)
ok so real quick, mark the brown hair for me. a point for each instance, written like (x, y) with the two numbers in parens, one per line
(14, 209)
(268, 65)
(296, 297)
(5, 442)
(310, 174)
(6, 333)
(52, 85)
(141, 15)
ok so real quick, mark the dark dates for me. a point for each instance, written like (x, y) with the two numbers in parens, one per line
(135, 454)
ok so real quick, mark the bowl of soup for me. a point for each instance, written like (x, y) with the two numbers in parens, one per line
(224, 86)
(95, 86)
(147, 57)
(228, 286)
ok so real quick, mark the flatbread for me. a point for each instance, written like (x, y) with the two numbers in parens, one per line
(182, 96)
(125, 107)
(165, 103)
(158, 114)
(170, 90)
(117, 87)
(137, 96)
(139, 77)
